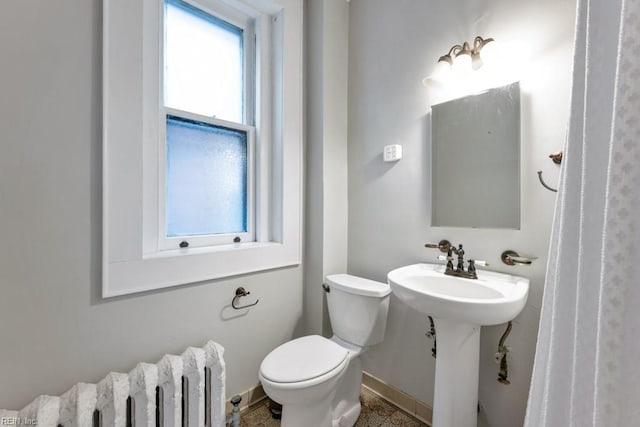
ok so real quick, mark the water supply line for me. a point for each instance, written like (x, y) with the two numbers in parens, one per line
(501, 357)
(431, 334)
(234, 419)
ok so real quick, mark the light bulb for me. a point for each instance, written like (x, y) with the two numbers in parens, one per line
(441, 71)
(462, 64)
(490, 53)
(476, 61)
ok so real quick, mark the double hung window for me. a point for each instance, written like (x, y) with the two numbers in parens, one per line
(209, 134)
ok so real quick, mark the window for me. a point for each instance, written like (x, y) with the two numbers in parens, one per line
(202, 130)
(208, 149)
(204, 62)
(207, 181)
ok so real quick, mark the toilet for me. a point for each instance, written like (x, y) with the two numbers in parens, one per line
(317, 380)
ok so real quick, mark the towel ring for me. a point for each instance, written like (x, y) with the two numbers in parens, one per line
(241, 292)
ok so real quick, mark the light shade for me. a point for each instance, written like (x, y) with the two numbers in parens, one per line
(462, 63)
(441, 71)
(476, 61)
(490, 52)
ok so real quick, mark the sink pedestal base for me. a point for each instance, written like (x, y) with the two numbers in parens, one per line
(455, 402)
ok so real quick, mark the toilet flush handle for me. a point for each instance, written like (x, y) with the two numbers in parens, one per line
(326, 288)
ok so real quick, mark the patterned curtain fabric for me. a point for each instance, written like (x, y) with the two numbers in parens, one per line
(587, 365)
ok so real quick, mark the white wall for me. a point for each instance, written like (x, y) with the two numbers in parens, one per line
(55, 330)
(393, 45)
(326, 74)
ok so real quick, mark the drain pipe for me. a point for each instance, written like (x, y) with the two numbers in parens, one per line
(234, 419)
(431, 334)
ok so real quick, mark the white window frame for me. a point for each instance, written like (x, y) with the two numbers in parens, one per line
(134, 257)
(195, 241)
(246, 23)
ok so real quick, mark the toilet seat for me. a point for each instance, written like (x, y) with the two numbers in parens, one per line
(307, 358)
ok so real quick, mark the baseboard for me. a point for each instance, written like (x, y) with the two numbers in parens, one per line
(402, 400)
(249, 398)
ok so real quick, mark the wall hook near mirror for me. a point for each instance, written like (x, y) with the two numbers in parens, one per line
(557, 159)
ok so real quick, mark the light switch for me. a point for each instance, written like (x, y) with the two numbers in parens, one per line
(392, 153)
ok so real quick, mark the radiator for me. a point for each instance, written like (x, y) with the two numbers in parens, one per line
(186, 390)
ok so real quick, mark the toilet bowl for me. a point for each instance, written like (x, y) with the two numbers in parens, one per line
(317, 380)
(303, 375)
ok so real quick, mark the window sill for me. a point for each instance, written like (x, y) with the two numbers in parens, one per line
(210, 249)
(178, 267)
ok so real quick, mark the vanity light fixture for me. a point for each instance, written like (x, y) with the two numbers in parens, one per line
(464, 58)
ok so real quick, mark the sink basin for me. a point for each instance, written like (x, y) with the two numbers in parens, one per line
(491, 299)
(459, 307)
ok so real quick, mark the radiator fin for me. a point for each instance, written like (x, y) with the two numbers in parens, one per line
(214, 361)
(169, 379)
(78, 405)
(44, 411)
(113, 392)
(194, 362)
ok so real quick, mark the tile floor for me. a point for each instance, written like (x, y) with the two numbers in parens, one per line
(376, 412)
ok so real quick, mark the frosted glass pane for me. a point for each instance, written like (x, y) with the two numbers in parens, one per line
(203, 63)
(206, 179)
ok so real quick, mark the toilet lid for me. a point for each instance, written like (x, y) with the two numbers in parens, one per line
(302, 359)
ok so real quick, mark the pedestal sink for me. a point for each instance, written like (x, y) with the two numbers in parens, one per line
(459, 307)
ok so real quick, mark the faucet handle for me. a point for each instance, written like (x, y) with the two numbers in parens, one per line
(443, 245)
(447, 258)
(472, 267)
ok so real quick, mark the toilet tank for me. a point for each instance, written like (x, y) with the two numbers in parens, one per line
(357, 308)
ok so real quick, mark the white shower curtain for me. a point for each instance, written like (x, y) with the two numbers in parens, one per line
(587, 364)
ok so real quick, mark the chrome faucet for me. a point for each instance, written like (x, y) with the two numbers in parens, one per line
(458, 271)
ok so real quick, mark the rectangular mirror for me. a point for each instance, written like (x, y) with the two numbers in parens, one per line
(475, 160)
